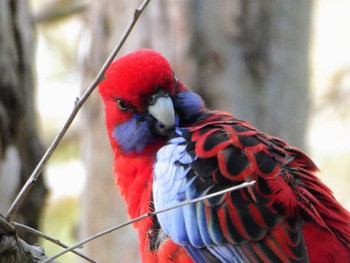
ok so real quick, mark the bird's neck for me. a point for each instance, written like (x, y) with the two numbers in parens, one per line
(133, 175)
(135, 183)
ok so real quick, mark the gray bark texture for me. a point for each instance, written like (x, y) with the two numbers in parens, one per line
(251, 59)
(247, 57)
(20, 147)
(14, 249)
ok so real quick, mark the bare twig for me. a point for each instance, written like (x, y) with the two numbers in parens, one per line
(78, 104)
(56, 241)
(6, 227)
(129, 222)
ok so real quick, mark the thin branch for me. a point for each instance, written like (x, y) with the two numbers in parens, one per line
(78, 104)
(6, 227)
(55, 241)
(129, 222)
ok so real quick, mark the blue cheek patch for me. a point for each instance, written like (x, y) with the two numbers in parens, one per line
(133, 135)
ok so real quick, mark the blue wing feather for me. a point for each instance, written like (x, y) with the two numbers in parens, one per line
(174, 181)
(202, 224)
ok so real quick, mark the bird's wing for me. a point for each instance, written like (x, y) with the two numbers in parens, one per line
(261, 223)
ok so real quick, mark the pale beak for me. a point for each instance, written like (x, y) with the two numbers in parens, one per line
(163, 111)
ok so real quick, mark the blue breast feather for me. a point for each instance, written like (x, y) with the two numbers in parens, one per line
(173, 183)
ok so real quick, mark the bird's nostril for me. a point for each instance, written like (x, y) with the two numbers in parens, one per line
(160, 125)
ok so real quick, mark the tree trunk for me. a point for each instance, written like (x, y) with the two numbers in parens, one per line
(102, 206)
(252, 58)
(20, 147)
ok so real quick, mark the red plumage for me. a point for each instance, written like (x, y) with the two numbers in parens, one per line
(131, 79)
(300, 194)
(286, 183)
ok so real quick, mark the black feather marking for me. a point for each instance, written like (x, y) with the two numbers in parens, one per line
(254, 231)
(214, 227)
(268, 252)
(232, 231)
(251, 253)
(204, 116)
(293, 228)
(213, 140)
(263, 185)
(220, 179)
(265, 163)
(241, 128)
(205, 130)
(278, 207)
(235, 160)
(270, 218)
(215, 201)
(249, 224)
(204, 167)
(237, 199)
(248, 141)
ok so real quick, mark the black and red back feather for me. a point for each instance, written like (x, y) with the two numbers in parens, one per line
(269, 222)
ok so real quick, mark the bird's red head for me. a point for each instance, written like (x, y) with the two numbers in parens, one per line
(130, 90)
(132, 79)
(137, 75)
(144, 101)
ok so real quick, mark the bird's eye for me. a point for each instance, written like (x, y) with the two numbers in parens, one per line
(122, 104)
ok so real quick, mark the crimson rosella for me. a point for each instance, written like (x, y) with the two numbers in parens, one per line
(168, 147)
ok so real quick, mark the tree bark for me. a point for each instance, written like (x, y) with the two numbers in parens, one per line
(252, 59)
(20, 146)
(14, 249)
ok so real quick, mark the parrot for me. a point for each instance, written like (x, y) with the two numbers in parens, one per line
(169, 148)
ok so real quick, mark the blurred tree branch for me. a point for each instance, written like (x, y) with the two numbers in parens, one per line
(20, 142)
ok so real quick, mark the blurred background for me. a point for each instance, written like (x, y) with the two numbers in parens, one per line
(282, 65)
